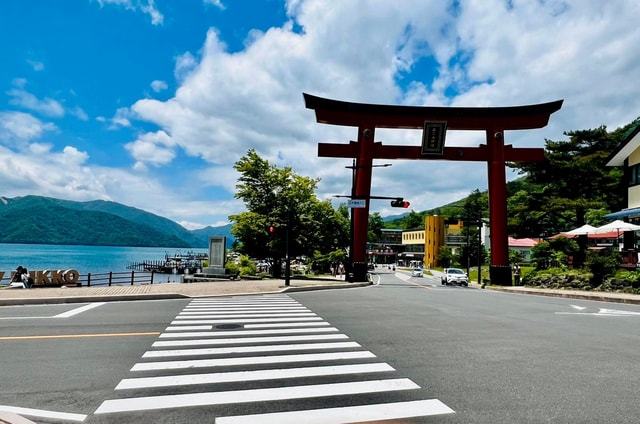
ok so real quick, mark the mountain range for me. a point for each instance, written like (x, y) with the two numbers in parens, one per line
(46, 220)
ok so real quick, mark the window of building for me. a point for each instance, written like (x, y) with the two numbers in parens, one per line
(634, 175)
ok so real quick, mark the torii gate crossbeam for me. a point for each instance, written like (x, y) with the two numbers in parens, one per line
(494, 121)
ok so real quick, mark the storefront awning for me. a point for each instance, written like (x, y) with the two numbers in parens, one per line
(624, 213)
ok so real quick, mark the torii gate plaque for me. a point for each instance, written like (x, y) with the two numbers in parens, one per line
(494, 121)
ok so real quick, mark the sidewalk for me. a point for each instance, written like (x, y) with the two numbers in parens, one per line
(19, 296)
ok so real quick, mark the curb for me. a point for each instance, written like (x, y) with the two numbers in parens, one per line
(162, 296)
(570, 295)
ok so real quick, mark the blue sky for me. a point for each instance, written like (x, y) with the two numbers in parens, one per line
(149, 103)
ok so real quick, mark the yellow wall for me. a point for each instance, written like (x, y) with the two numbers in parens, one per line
(634, 157)
(434, 238)
(633, 198)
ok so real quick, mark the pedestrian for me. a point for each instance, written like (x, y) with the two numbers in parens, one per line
(516, 275)
(341, 270)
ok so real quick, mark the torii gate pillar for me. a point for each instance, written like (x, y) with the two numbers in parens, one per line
(494, 121)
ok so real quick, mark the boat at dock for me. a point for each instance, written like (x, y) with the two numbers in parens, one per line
(178, 263)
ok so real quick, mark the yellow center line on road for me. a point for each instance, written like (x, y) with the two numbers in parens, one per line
(77, 336)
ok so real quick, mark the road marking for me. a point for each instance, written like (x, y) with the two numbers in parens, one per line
(248, 340)
(580, 308)
(276, 361)
(43, 413)
(67, 314)
(255, 395)
(251, 360)
(225, 333)
(200, 309)
(243, 320)
(287, 324)
(190, 328)
(603, 312)
(79, 310)
(248, 326)
(77, 336)
(245, 315)
(232, 377)
(348, 414)
(247, 349)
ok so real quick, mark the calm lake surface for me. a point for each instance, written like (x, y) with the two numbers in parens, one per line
(84, 259)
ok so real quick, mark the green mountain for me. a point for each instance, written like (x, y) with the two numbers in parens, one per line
(45, 220)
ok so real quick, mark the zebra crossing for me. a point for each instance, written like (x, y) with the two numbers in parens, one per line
(267, 351)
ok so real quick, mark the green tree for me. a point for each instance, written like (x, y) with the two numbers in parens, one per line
(280, 199)
(446, 257)
(414, 221)
(572, 179)
(471, 214)
(376, 224)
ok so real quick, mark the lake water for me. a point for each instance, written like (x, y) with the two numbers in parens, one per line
(84, 259)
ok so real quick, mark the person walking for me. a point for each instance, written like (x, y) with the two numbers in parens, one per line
(516, 275)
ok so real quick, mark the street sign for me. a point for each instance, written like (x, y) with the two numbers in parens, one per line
(357, 203)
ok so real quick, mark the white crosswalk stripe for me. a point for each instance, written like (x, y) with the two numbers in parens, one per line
(264, 350)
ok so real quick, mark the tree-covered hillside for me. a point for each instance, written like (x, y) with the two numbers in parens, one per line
(44, 220)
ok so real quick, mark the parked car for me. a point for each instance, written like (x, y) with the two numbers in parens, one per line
(455, 276)
(417, 272)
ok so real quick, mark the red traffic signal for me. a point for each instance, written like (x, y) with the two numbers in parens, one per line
(272, 229)
(399, 203)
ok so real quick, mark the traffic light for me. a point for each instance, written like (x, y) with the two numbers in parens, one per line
(399, 203)
(272, 230)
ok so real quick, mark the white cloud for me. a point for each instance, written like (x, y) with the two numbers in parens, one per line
(158, 85)
(120, 119)
(484, 53)
(488, 53)
(146, 6)
(216, 3)
(21, 127)
(153, 148)
(47, 106)
(36, 65)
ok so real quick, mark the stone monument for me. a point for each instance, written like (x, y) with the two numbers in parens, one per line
(217, 256)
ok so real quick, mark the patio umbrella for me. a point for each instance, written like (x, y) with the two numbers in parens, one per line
(617, 225)
(580, 231)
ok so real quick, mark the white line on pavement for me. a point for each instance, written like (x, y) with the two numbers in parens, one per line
(251, 360)
(246, 315)
(287, 324)
(226, 333)
(79, 310)
(43, 413)
(256, 395)
(348, 414)
(247, 349)
(248, 340)
(231, 377)
(243, 320)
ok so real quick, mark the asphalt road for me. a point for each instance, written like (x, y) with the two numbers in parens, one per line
(466, 355)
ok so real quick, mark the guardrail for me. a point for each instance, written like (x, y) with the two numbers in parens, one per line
(117, 278)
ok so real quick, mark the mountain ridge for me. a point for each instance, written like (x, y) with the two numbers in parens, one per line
(46, 220)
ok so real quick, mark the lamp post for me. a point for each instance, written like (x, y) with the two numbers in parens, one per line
(287, 226)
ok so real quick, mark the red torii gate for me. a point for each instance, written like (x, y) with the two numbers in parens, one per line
(493, 120)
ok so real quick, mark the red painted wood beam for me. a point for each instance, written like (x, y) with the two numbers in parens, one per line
(478, 154)
(337, 112)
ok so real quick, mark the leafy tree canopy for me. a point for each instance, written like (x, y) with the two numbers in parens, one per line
(278, 199)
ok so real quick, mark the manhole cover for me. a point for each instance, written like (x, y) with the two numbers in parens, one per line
(227, 326)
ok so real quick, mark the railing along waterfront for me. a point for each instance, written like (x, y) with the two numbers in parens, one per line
(117, 278)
